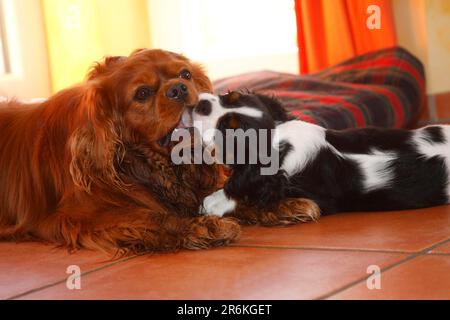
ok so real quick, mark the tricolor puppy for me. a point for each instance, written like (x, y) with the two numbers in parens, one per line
(367, 169)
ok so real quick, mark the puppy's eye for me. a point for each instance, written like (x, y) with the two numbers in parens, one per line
(186, 74)
(233, 97)
(143, 93)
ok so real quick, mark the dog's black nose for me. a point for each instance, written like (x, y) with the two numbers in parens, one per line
(178, 92)
(203, 108)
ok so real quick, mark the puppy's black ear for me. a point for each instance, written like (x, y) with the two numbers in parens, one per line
(232, 121)
(240, 133)
(224, 142)
(232, 97)
(236, 121)
(256, 190)
(275, 108)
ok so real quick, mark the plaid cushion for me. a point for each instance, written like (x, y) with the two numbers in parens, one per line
(384, 88)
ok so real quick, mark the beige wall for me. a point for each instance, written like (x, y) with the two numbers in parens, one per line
(220, 43)
(30, 76)
(438, 30)
(423, 28)
(80, 32)
(410, 23)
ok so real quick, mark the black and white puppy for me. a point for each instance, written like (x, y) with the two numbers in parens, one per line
(367, 169)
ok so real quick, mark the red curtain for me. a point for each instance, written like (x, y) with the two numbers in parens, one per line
(330, 31)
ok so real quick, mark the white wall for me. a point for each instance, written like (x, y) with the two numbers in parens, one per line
(228, 37)
(423, 27)
(438, 30)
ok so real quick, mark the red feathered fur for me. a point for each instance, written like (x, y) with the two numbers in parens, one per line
(84, 169)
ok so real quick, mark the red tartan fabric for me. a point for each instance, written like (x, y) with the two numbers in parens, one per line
(384, 88)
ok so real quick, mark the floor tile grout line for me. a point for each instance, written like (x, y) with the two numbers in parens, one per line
(411, 257)
(390, 267)
(50, 285)
(358, 281)
(336, 249)
(324, 249)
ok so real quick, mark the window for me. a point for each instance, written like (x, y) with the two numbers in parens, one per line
(24, 71)
(4, 63)
(228, 37)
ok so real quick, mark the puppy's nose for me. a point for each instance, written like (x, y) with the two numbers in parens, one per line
(204, 108)
(178, 92)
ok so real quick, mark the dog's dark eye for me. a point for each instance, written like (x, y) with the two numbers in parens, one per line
(186, 74)
(232, 97)
(143, 93)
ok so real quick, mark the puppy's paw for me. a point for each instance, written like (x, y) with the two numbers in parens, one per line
(218, 204)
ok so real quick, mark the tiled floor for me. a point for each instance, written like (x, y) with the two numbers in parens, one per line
(324, 260)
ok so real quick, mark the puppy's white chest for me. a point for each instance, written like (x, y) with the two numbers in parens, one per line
(218, 204)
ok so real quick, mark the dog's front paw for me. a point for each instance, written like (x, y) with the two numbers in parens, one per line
(218, 204)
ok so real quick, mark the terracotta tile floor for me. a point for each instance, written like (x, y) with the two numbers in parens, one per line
(324, 260)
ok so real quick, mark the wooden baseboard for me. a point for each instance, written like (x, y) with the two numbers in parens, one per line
(437, 110)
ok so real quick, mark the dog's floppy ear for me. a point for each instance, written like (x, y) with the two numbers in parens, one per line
(104, 66)
(236, 121)
(201, 80)
(232, 97)
(275, 108)
(252, 130)
(96, 144)
(137, 51)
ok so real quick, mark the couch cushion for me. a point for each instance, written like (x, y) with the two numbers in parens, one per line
(384, 88)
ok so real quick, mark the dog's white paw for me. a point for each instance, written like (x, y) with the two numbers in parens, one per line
(217, 204)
